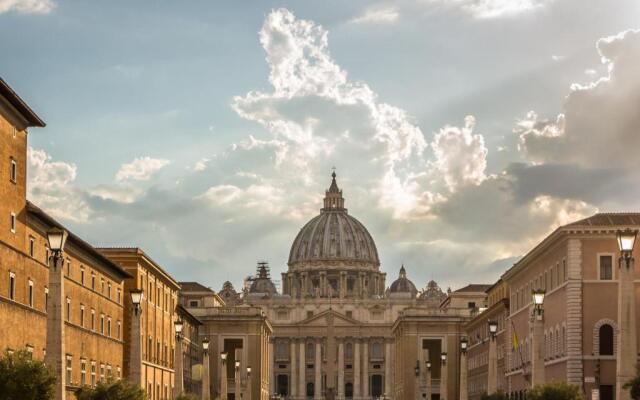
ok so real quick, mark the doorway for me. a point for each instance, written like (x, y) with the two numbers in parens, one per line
(376, 385)
(282, 385)
(348, 390)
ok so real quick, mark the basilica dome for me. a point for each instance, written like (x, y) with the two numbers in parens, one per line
(403, 285)
(334, 235)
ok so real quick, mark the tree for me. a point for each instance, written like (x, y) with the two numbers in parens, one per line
(22, 378)
(496, 396)
(634, 387)
(555, 391)
(112, 390)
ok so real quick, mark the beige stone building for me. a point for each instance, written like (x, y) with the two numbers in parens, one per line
(577, 266)
(335, 326)
(477, 332)
(157, 319)
(92, 295)
(191, 351)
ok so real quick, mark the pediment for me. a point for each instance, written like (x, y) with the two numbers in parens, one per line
(322, 319)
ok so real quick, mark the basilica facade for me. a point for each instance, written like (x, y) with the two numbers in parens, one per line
(336, 330)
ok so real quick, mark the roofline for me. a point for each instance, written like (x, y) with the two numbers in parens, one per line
(139, 252)
(20, 105)
(47, 219)
(187, 313)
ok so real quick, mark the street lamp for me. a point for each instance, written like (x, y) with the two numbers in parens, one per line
(179, 326)
(136, 298)
(493, 328)
(627, 345)
(428, 365)
(205, 345)
(249, 371)
(538, 300)
(55, 356)
(464, 345)
(223, 375)
(179, 371)
(206, 390)
(237, 365)
(443, 358)
(417, 368)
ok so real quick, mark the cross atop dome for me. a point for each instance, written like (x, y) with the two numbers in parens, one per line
(333, 199)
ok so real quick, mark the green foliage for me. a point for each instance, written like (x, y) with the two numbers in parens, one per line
(555, 391)
(187, 396)
(496, 396)
(22, 378)
(634, 387)
(112, 390)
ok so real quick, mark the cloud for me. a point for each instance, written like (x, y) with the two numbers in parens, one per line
(378, 15)
(460, 155)
(491, 9)
(599, 125)
(27, 6)
(51, 186)
(140, 169)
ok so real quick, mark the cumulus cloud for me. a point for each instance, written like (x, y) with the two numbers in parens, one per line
(51, 186)
(598, 127)
(489, 9)
(27, 6)
(460, 155)
(378, 15)
(140, 169)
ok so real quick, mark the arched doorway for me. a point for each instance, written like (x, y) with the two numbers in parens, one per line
(282, 385)
(376, 385)
(348, 390)
(310, 390)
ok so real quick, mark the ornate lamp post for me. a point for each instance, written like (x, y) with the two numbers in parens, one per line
(249, 383)
(179, 373)
(206, 390)
(627, 346)
(223, 376)
(56, 355)
(135, 346)
(492, 384)
(238, 392)
(537, 339)
(443, 376)
(464, 390)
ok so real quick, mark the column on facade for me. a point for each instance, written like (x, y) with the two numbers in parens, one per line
(343, 284)
(317, 394)
(340, 368)
(206, 387)
(323, 284)
(365, 368)
(356, 369)
(292, 369)
(387, 367)
(627, 358)
(464, 388)
(238, 374)
(444, 381)
(492, 374)
(55, 356)
(302, 378)
(304, 290)
(271, 366)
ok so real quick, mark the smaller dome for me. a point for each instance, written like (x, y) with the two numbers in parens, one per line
(228, 294)
(403, 285)
(433, 292)
(262, 282)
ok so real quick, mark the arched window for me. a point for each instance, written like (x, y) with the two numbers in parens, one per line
(606, 340)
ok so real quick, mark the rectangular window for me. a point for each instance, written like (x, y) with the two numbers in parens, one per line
(46, 299)
(83, 372)
(68, 309)
(109, 290)
(118, 294)
(93, 373)
(102, 323)
(82, 315)
(82, 275)
(13, 223)
(32, 246)
(13, 174)
(93, 281)
(606, 267)
(12, 285)
(46, 254)
(68, 367)
(118, 329)
(101, 372)
(30, 293)
(109, 327)
(93, 320)
(68, 267)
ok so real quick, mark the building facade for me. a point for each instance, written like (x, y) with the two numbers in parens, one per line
(191, 351)
(156, 336)
(577, 266)
(336, 324)
(92, 285)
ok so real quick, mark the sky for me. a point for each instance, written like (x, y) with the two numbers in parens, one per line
(205, 132)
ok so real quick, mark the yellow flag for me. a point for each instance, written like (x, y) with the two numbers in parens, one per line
(515, 337)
